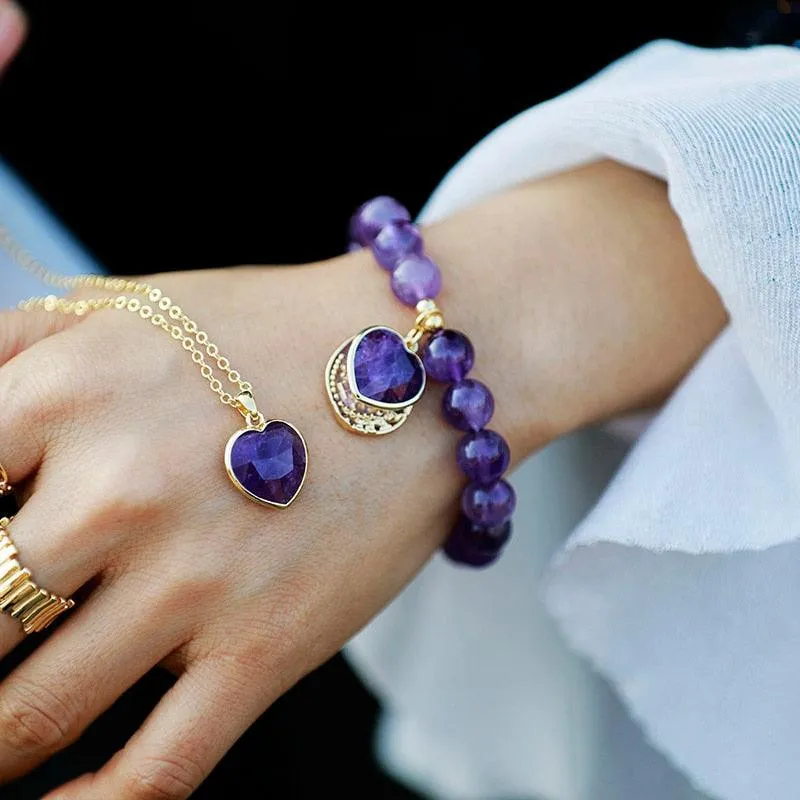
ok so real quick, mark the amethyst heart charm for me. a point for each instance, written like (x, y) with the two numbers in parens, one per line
(268, 463)
(373, 380)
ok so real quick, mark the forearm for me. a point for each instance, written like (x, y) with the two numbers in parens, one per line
(579, 292)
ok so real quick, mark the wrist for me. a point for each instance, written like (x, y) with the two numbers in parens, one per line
(351, 293)
(581, 294)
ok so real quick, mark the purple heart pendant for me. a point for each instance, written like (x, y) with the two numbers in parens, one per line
(373, 381)
(383, 371)
(268, 464)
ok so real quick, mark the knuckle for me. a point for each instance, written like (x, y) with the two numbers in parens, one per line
(38, 396)
(293, 601)
(19, 330)
(187, 593)
(15, 398)
(10, 335)
(173, 777)
(123, 486)
(276, 645)
(33, 718)
(235, 668)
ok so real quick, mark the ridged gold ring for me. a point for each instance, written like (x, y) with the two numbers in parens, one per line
(34, 607)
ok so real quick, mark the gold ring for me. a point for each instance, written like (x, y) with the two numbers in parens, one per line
(34, 607)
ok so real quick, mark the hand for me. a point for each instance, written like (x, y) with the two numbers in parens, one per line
(122, 444)
(12, 31)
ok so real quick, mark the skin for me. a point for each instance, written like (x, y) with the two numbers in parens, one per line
(12, 31)
(583, 301)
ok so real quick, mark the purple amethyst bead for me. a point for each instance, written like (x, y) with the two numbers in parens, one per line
(416, 278)
(448, 356)
(468, 405)
(483, 456)
(489, 505)
(474, 545)
(396, 241)
(374, 215)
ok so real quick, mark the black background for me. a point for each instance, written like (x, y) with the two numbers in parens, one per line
(178, 135)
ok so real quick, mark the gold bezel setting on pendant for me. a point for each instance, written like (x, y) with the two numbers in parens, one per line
(277, 491)
(372, 415)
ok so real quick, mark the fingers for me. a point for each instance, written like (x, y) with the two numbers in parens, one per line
(19, 330)
(102, 650)
(37, 391)
(12, 31)
(63, 546)
(181, 742)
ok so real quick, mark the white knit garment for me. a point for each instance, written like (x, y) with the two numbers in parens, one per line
(681, 585)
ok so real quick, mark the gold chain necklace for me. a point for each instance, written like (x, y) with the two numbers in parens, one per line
(267, 460)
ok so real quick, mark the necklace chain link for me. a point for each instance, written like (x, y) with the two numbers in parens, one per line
(155, 307)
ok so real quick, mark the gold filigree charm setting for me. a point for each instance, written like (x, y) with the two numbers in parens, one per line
(374, 379)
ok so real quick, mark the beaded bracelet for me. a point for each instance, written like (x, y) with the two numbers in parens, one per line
(375, 378)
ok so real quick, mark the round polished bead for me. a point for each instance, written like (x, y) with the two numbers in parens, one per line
(396, 241)
(448, 356)
(475, 545)
(468, 405)
(483, 456)
(374, 215)
(489, 505)
(416, 278)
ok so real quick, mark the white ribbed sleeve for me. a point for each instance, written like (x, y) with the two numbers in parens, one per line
(681, 584)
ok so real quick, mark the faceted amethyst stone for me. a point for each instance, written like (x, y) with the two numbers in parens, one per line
(396, 241)
(9, 505)
(474, 545)
(416, 278)
(374, 215)
(489, 505)
(384, 370)
(483, 456)
(448, 356)
(270, 464)
(468, 405)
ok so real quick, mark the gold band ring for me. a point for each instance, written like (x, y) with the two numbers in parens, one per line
(34, 607)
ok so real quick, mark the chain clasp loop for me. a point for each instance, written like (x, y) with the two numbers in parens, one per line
(245, 404)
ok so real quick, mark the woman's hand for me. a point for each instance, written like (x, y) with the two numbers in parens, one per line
(12, 31)
(582, 300)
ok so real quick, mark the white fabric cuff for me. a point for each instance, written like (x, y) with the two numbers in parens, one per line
(682, 585)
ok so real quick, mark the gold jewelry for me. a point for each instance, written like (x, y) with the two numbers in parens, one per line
(34, 607)
(8, 498)
(267, 459)
(356, 408)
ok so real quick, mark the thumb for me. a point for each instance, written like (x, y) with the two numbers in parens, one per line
(12, 31)
(20, 330)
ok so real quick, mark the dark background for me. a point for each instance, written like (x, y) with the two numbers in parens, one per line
(178, 135)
